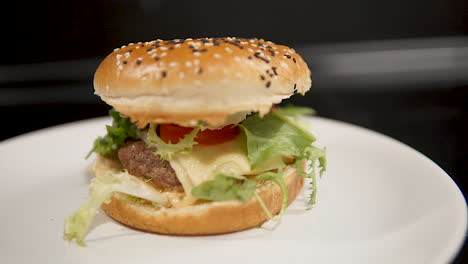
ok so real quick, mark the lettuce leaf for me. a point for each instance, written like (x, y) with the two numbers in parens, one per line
(272, 135)
(101, 188)
(295, 111)
(121, 129)
(225, 187)
(281, 133)
(167, 150)
(314, 155)
(236, 187)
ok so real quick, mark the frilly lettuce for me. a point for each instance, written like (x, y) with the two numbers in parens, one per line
(121, 129)
(76, 226)
(167, 150)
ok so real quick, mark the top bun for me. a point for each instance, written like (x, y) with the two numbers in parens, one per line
(213, 80)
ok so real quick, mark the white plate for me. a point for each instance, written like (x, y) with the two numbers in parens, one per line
(379, 202)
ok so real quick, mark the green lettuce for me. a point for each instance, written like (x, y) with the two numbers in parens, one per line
(236, 187)
(101, 188)
(295, 111)
(273, 135)
(281, 133)
(167, 150)
(121, 129)
(225, 187)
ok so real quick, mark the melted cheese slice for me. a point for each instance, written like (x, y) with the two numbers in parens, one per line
(206, 161)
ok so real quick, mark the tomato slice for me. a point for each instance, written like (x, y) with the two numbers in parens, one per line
(207, 137)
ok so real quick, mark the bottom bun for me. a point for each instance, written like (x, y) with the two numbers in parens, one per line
(206, 218)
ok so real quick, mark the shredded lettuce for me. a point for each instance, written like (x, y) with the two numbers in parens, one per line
(121, 129)
(167, 150)
(101, 188)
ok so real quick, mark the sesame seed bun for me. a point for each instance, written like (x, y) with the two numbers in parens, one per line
(213, 80)
(206, 218)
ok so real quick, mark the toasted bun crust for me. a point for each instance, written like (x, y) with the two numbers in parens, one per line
(206, 218)
(216, 81)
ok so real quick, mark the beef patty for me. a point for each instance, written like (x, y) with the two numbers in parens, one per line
(141, 162)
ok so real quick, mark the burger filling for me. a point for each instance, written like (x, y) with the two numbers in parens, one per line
(198, 163)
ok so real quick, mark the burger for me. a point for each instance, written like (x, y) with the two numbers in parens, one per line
(197, 145)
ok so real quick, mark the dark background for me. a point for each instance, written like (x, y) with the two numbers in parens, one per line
(397, 67)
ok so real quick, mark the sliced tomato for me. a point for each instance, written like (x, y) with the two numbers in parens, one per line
(172, 133)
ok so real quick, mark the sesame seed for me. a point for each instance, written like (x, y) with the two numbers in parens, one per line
(181, 75)
(177, 45)
(203, 50)
(124, 62)
(163, 48)
(163, 54)
(138, 61)
(199, 70)
(208, 44)
(196, 62)
(116, 49)
(250, 50)
(254, 45)
(228, 50)
(188, 64)
(268, 84)
(284, 64)
(149, 49)
(123, 46)
(262, 77)
(196, 53)
(249, 57)
(237, 59)
(118, 56)
(157, 75)
(295, 87)
(164, 74)
(251, 41)
(287, 56)
(120, 67)
(216, 55)
(156, 58)
(274, 70)
(294, 59)
(173, 64)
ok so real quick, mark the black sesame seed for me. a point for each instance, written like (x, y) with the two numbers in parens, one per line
(268, 84)
(157, 45)
(262, 77)
(203, 50)
(156, 58)
(268, 47)
(249, 57)
(130, 50)
(274, 70)
(171, 42)
(295, 87)
(215, 42)
(287, 56)
(138, 62)
(124, 62)
(260, 45)
(205, 41)
(294, 59)
(164, 74)
(171, 48)
(142, 45)
(257, 55)
(272, 53)
(200, 70)
(149, 49)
